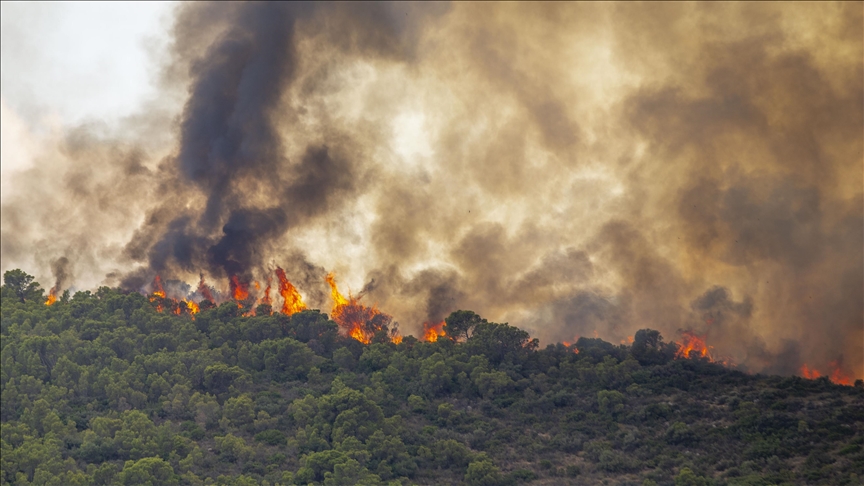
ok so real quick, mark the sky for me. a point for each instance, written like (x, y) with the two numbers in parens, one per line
(67, 63)
(573, 169)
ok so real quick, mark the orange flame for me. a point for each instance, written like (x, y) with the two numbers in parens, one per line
(291, 300)
(431, 332)
(808, 373)
(357, 320)
(158, 291)
(837, 374)
(52, 296)
(692, 343)
(239, 290)
(569, 344)
(192, 306)
(266, 300)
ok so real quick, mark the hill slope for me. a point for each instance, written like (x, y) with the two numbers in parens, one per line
(100, 388)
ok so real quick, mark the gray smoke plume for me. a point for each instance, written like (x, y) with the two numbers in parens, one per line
(570, 168)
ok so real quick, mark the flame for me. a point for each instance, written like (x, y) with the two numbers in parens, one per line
(357, 320)
(338, 299)
(266, 300)
(204, 290)
(52, 296)
(629, 340)
(431, 332)
(837, 374)
(158, 291)
(239, 290)
(692, 342)
(572, 345)
(808, 373)
(158, 295)
(291, 300)
(192, 306)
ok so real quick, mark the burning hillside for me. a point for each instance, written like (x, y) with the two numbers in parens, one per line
(685, 164)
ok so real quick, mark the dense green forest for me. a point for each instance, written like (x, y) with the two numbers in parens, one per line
(101, 388)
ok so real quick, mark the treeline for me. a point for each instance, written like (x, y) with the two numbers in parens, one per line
(100, 388)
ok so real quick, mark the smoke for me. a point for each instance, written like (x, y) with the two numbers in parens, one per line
(571, 169)
(61, 268)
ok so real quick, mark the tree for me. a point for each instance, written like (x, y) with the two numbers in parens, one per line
(149, 471)
(22, 286)
(460, 324)
(648, 348)
(501, 342)
(483, 473)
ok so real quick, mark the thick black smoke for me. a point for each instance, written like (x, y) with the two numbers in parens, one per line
(231, 148)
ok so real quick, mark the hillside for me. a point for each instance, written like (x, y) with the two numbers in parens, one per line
(102, 388)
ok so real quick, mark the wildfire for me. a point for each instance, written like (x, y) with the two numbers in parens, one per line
(572, 345)
(158, 295)
(52, 296)
(836, 374)
(357, 320)
(808, 373)
(692, 343)
(239, 290)
(291, 300)
(431, 332)
(266, 299)
(158, 291)
(192, 306)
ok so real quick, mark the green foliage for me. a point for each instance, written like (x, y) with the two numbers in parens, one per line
(483, 473)
(101, 389)
(19, 285)
(460, 324)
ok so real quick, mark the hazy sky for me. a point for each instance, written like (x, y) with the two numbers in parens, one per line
(79, 60)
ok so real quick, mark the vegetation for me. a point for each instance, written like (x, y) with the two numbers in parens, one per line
(100, 388)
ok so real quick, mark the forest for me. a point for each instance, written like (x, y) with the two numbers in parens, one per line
(104, 387)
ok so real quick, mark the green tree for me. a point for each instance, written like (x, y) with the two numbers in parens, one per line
(148, 471)
(648, 348)
(460, 324)
(686, 477)
(483, 473)
(22, 286)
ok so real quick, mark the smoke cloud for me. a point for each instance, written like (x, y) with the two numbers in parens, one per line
(571, 169)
